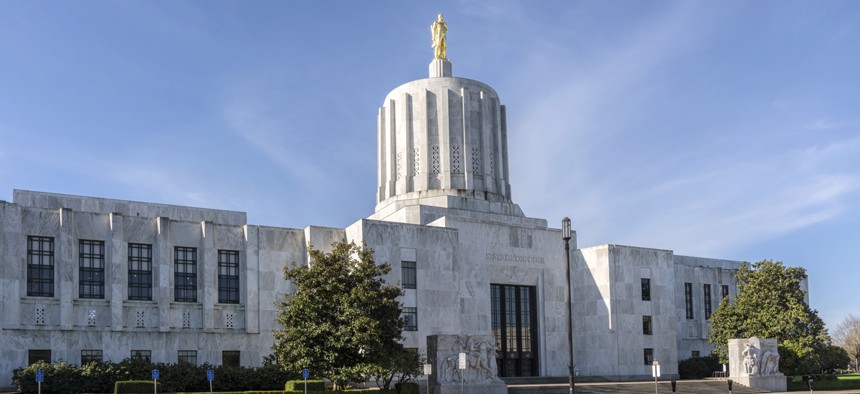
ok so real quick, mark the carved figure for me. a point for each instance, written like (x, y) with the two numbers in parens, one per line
(750, 359)
(439, 30)
(769, 363)
(478, 362)
(449, 369)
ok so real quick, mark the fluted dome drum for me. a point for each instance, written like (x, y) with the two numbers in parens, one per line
(442, 136)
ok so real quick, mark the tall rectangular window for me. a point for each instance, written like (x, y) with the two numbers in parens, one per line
(89, 356)
(707, 293)
(144, 355)
(688, 299)
(228, 276)
(694, 354)
(230, 358)
(184, 274)
(35, 355)
(646, 289)
(408, 274)
(40, 266)
(187, 357)
(91, 278)
(140, 272)
(513, 313)
(725, 291)
(410, 319)
(649, 356)
(646, 325)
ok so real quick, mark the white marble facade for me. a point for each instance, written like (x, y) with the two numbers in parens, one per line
(444, 203)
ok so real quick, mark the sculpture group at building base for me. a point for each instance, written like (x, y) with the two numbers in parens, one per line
(480, 375)
(754, 363)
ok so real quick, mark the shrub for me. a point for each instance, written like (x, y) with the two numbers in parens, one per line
(698, 367)
(299, 385)
(135, 386)
(406, 388)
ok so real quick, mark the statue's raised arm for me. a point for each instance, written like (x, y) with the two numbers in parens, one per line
(438, 30)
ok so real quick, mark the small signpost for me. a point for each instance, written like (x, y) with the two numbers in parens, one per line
(461, 365)
(210, 375)
(655, 372)
(40, 377)
(428, 370)
(306, 374)
(155, 375)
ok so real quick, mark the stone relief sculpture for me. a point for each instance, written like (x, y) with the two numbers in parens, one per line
(480, 361)
(754, 363)
(760, 357)
(439, 30)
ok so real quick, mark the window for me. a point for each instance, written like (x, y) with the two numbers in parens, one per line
(407, 273)
(144, 355)
(34, 355)
(89, 356)
(184, 274)
(649, 356)
(410, 319)
(707, 292)
(725, 289)
(646, 289)
(646, 325)
(688, 299)
(228, 276)
(695, 354)
(91, 278)
(230, 358)
(40, 266)
(187, 357)
(140, 272)
(513, 313)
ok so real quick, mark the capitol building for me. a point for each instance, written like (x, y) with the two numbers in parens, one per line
(91, 278)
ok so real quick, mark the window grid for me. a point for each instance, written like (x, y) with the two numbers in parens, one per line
(187, 357)
(89, 356)
(649, 356)
(144, 355)
(410, 319)
(408, 275)
(688, 299)
(185, 274)
(647, 329)
(35, 355)
(40, 266)
(725, 290)
(230, 358)
(91, 279)
(694, 354)
(646, 289)
(707, 298)
(228, 276)
(140, 272)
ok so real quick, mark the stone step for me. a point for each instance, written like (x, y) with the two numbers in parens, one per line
(663, 387)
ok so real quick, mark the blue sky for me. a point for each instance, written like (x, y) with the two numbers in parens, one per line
(723, 129)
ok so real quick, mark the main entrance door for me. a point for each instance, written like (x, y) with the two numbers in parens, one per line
(515, 328)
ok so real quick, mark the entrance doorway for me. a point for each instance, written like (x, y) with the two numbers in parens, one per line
(515, 328)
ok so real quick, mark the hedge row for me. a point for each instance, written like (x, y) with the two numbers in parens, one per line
(62, 377)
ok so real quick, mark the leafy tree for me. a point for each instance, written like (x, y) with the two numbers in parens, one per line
(342, 320)
(770, 304)
(847, 336)
(399, 367)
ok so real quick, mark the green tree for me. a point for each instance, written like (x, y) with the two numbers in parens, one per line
(342, 320)
(771, 304)
(847, 336)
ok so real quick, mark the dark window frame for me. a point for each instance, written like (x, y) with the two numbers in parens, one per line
(706, 292)
(646, 289)
(184, 274)
(91, 269)
(694, 354)
(140, 272)
(514, 321)
(34, 355)
(647, 325)
(141, 354)
(406, 314)
(88, 356)
(186, 357)
(408, 275)
(688, 300)
(648, 355)
(40, 266)
(228, 276)
(231, 358)
(725, 291)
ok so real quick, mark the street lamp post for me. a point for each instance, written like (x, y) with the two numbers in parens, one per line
(565, 235)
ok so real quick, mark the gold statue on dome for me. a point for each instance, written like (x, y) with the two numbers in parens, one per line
(438, 30)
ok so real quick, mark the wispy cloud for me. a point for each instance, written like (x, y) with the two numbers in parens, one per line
(826, 124)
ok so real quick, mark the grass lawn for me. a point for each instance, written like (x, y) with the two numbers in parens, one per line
(846, 381)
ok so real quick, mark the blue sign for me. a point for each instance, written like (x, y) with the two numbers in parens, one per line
(154, 374)
(306, 373)
(40, 376)
(210, 374)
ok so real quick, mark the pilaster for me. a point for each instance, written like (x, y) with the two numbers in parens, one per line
(118, 270)
(207, 275)
(65, 264)
(162, 258)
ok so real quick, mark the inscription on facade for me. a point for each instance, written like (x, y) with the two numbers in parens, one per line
(514, 258)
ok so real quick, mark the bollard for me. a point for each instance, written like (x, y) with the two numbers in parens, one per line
(730, 385)
(674, 383)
